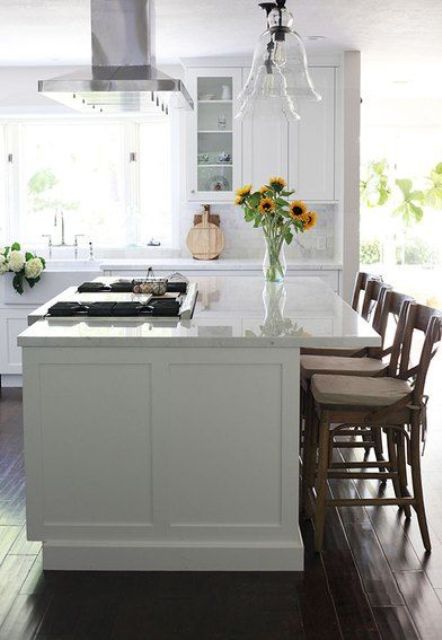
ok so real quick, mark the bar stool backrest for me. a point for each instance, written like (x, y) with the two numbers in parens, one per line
(360, 285)
(428, 322)
(372, 303)
(398, 305)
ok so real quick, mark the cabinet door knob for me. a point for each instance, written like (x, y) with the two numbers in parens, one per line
(193, 191)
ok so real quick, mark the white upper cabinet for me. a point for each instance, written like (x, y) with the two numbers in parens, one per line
(264, 149)
(213, 135)
(312, 141)
(223, 153)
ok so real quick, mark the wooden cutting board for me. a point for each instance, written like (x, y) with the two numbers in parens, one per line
(205, 240)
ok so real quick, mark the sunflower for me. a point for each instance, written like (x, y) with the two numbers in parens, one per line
(278, 183)
(297, 209)
(266, 205)
(309, 219)
(242, 193)
(263, 189)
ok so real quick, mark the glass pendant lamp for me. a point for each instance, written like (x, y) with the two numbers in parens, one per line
(279, 76)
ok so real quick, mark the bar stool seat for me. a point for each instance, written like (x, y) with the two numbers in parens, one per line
(341, 366)
(359, 391)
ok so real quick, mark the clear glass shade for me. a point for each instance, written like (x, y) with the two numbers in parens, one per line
(279, 77)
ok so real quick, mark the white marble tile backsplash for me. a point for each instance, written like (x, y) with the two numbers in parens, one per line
(243, 241)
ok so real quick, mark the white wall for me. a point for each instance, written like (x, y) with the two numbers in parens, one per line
(351, 113)
(19, 91)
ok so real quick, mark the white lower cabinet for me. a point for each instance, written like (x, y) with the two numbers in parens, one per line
(12, 323)
(15, 309)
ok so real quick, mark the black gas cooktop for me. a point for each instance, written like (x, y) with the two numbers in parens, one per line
(164, 307)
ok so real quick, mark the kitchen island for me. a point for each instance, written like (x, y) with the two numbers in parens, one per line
(156, 444)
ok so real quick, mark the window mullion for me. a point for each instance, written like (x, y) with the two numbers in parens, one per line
(132, 182)
(13, 182)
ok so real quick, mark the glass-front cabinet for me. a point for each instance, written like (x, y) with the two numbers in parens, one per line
(213, 162)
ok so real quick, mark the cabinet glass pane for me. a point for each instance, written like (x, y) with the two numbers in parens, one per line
(214, 133)
(215, 89)
(214, 178)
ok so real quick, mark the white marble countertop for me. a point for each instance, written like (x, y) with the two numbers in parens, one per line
(242, 312)
(222, 264)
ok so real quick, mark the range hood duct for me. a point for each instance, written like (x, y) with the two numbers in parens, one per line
(123, 77)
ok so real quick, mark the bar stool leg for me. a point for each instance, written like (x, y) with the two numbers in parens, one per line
(418, 493)
(378, 448)
(402, 468)
(309, 456)
(392, 456)
(321, 484)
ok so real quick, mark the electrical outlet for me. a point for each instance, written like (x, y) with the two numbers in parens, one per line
(321, 243)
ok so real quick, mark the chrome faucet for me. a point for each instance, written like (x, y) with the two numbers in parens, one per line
(59, 219)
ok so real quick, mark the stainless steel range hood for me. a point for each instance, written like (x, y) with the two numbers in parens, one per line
(122, 77)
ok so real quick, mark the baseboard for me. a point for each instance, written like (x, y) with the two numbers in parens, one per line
(197, 556)
(12, 381)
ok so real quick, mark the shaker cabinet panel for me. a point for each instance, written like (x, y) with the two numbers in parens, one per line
(213, 144)
(312, 141)
(303, 151)
(264, 149)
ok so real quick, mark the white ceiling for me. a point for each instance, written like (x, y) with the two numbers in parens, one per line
(400, 40)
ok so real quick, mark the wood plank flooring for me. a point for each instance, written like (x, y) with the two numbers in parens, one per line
(373, 580)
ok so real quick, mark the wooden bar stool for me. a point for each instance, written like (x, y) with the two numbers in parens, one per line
(393, 308)
(393, 403)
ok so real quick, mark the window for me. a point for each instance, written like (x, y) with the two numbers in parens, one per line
(155, 181)
(3, 181)
(111, 180)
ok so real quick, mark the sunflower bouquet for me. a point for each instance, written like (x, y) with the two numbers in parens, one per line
(280, 218)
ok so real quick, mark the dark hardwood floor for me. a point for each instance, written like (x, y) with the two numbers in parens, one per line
(372, 581)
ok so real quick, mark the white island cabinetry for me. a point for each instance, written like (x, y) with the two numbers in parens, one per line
(166, 445)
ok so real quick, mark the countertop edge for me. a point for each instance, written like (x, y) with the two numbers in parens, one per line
(199, 342)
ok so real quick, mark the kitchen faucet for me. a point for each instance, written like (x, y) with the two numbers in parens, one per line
(59, 220)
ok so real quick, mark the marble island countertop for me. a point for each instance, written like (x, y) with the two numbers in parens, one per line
(240, 312)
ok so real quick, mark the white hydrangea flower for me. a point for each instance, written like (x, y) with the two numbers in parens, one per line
(33, 268)
(2, 251)
(4, 265)
(16, 261)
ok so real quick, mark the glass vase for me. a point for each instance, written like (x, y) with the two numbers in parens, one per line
(274, 297)
(275, 265)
